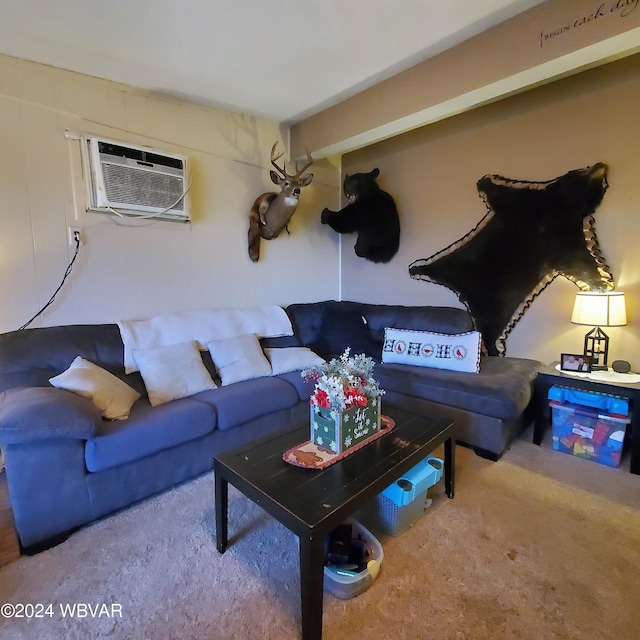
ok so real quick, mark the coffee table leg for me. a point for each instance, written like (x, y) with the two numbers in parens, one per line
(450, 466)
(311, 585)
(222, 508)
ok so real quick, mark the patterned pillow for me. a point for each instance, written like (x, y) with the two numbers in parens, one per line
(458, 352)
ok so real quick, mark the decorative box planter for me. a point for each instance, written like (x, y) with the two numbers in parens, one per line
(338, 431)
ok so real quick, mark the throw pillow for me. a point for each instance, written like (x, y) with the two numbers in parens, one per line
(287, 359)
(239, 358)
(112, 396)
(173, 371)
(458, 352)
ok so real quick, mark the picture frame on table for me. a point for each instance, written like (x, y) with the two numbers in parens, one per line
(577, 362)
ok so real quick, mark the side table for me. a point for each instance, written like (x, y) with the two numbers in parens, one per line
(549, 376)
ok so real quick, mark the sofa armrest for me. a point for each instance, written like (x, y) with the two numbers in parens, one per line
(28, 414)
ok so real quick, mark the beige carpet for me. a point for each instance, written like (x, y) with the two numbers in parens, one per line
(539, 545)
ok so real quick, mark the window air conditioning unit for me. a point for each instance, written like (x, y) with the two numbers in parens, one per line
(137, 181)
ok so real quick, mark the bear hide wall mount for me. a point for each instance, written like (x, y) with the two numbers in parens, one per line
(532, 233)
(371, 213)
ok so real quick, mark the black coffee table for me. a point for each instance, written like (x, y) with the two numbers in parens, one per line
(311, 503)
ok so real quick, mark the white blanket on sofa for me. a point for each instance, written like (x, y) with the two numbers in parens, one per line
(202, 326)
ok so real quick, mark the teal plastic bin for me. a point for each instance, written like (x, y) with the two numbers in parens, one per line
(614, 405)
(400, 505)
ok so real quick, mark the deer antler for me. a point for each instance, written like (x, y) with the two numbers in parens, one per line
(299, 172)
(282, 171)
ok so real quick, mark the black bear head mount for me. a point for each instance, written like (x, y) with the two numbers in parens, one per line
(371, 213)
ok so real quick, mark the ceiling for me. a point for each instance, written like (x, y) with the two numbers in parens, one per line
(283, 60)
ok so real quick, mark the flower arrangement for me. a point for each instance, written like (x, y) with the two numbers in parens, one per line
(344, 382)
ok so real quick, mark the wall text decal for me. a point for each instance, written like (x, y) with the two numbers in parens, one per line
(620, 8)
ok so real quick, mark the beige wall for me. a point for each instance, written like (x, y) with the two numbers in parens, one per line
(134, 269)
(432, 174)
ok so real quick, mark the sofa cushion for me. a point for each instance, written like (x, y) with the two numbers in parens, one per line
(30, 357)
(447, 320)
(328, 328)
(303, 387)
(238, 403)
(38, 413)
(148, 430)
(344, 327)
(502, 389)
(111, 395)
(311, 320)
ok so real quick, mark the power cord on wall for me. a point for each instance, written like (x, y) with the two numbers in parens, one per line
(76, 237)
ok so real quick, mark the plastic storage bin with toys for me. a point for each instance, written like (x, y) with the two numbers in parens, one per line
(353, 559)
(589, 425)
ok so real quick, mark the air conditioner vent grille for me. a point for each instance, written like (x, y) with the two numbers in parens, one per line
(146, 188)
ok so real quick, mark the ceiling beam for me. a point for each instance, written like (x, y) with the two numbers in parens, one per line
(551, 41)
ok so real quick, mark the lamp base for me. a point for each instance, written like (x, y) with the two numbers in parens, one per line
(596, 346)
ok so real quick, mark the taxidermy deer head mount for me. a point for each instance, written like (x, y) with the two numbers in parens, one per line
(271, 212)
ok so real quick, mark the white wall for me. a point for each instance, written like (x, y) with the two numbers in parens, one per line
(134, 269)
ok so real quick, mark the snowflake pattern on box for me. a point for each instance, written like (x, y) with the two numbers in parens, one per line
(338, 431)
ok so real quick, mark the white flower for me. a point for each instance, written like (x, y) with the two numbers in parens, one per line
(344, 382)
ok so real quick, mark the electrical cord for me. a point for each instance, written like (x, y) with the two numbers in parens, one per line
(55, 293)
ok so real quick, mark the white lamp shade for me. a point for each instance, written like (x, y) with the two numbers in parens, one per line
(599, 309)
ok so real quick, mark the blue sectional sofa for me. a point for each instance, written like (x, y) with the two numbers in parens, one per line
(67, 466)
